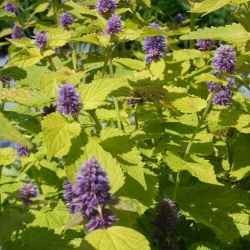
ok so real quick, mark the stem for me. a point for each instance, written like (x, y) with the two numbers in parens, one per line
(0, 192)
(119, 123)
(37, 181)
(105, 65)
(192, 27)
(52, 64)
(187, 151)
(97, 122)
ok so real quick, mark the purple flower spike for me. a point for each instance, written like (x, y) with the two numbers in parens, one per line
(11, 8)
(68, 101)
(21, 150)
(40, 39)
(154, 47)
(90, 195)
(179, 18)
(28, 191)
(102, 220)
(166, 221)
(224, 59)
(113, 25)
(204, 45)
(17, 32)
(223, 96)
(106, 7)
(66, 19)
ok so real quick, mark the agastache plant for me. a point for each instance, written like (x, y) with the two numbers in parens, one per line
(113, 25)
(68, 101)
(8, 6)
(179, 18)
(204, 45)
(154, 47)
(17, 32)
(40, 39)
(66, 19)
(106, 7)
(224, 59)
(22, 150)
(27, 192)
(90, 196)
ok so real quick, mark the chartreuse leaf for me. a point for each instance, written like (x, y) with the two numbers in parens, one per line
(58, 133)
(129, 63)
(108, 163)
(23, 96)
(208, 6)
(51, 218)
(28, 57)
(189, 104)
(7, 156)
(196, 166)
(8, 131)
(239, 34)
(223, 209)
(157, 68)
(58, 37)
(115, 238)
(95, 94)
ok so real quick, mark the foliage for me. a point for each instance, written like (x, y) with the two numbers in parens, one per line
(151, 122)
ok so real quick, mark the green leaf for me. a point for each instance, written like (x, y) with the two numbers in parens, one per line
(238, 36)
(95, 94)
(27, 58)
(199, 167)
(58, 133)
(24, 96)
(186, 54)
(7, 156)
(108, 163)
(189, 104)
(240, 158)
(243, 124)
(51, 218)
(224, 210)
(129, 63)
(115, 238)
(58, 37)
(157, 68)
(209, 6)
(8, 132)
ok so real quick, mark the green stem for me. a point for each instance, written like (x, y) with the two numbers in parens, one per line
(187, 151)
(0, 192)
(95, 119)
(192, 28)
(37, 181)
(52, 64)
(119, 123)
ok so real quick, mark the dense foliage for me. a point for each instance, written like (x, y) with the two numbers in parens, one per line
(126, 124)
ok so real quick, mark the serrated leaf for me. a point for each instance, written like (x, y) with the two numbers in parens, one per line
(108, 163)
(7, 156)
(58, 133)
(58, 37)
(238, 36)
(129, 63)
(23, 96)
(196, 166)
(186, 54)
(95, 94)
(224, 210)
(115, 238)
(189, 104)
(157, 68)
(8, 132)
(243, 124)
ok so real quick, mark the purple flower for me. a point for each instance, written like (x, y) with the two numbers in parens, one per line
(68, 101)
(154, 47)
(48, 110)
(179, 18)
(204, 45)
(106, 7)
(11, 8)
(5, 79)
(166, 221)
(66, 19)
(90, 195)
(224, 59)
(131, 102)
(17, 32)
(28, 191)
(113, 25)
(40, 39)
(223, 96)
(22, 150)
(101, 220)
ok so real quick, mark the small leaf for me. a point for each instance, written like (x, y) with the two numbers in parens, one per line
(157, 68)
(115, 238)
(58, 37)
(7, 156)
